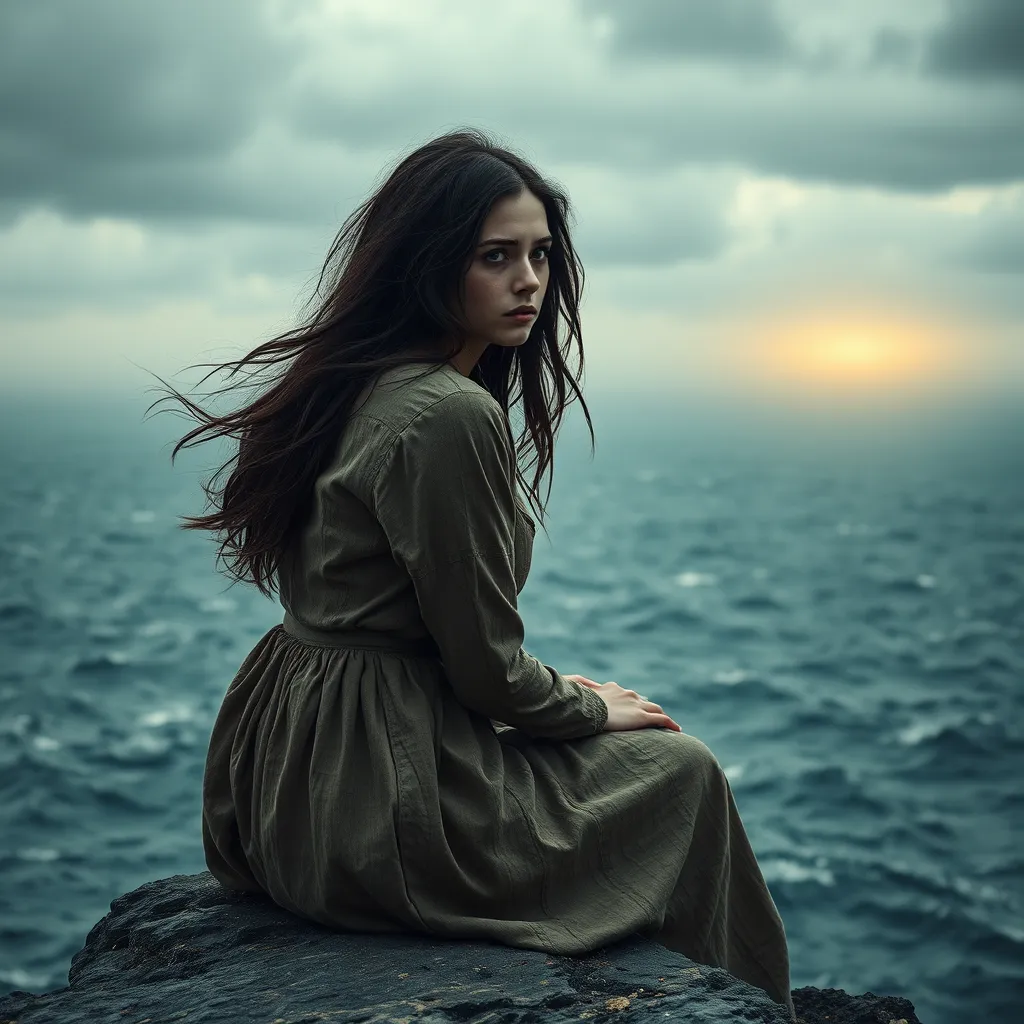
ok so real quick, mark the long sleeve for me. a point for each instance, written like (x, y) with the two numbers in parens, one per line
(444, 496)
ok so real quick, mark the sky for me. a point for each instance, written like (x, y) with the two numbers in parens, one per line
(812, 202)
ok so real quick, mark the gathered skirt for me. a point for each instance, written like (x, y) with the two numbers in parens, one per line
(351, 786)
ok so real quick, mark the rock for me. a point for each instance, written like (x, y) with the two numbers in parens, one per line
(184, 948)
(834, 1006)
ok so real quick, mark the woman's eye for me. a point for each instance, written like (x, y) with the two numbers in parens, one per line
(543, 251)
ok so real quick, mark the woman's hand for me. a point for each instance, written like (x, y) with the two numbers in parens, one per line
(626, 708)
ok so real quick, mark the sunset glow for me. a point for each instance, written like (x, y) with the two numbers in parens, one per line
(847, 355)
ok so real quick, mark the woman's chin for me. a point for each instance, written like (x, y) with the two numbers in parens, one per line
(512, 339)
(512, 343)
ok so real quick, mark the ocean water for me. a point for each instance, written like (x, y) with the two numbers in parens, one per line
(836, 606)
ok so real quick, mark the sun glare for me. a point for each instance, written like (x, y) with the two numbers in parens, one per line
(847, 356)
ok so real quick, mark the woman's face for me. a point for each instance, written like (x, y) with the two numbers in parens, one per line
(509, 269)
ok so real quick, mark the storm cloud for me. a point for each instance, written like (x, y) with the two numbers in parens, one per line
(119, 106)
(982, 39)
(198, 110)
(740, 29)
(206, 153)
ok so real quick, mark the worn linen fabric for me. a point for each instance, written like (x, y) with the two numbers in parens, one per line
(390, 758)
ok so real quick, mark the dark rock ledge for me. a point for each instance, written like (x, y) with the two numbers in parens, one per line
(184, 949)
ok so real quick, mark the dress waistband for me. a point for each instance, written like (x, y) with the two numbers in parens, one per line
(365, 639)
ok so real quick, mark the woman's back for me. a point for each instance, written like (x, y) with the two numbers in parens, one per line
(341, 572)
(343, 761)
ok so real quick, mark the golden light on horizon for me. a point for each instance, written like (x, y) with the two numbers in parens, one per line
(841, 354)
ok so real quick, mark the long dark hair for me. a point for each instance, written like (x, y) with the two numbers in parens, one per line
(392, 282)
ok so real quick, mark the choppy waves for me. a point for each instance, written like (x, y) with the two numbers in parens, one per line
(848, 638)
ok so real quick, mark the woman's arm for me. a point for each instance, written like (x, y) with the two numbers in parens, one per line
(444, 495)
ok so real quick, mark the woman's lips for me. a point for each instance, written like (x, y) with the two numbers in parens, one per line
(522, 318)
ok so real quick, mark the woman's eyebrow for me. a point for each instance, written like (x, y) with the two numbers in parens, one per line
(512, 241)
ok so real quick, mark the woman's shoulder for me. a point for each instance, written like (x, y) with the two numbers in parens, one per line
(411, 394)
(411, 410)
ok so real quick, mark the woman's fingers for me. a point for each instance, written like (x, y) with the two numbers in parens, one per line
(666, 720)
(656, 711)
(660, 718)
(654, 714)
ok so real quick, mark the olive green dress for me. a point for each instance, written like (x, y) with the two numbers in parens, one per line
(390, 758)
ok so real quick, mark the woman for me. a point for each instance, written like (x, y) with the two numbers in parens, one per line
(389, 758)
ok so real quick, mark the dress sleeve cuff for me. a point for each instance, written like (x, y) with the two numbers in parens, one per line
(594, 708)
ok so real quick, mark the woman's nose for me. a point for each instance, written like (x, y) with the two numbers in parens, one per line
(528, 279)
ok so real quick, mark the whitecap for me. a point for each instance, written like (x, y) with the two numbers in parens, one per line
(99, 662)
(730, 676)
(925, 581)
(45, 743)
(155, 628)
(143, 515)
(40, 855)
(1009, 932)
(23, 981)
(783, 870)
(924, 729)
(140, 748)
(733, 771)
(983, 891)
(917, 732)
(164, 716)
(696, 579)
(218, 604)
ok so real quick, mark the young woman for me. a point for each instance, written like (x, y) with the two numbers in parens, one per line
(390, 758)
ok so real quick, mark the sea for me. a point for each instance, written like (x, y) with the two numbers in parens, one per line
(832, 599)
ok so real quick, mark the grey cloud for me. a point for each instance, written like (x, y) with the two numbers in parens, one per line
(653, 222)
(677, 236)
(743, 29)
(198, 110)
(914, 138)
(996, 245)
(60, 266)
(893, 48)
(982, 38)
(115, 102)
(928, 150)
(1001, 253)
(259, 186)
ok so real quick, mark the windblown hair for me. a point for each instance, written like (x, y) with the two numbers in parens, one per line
(392, 283)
